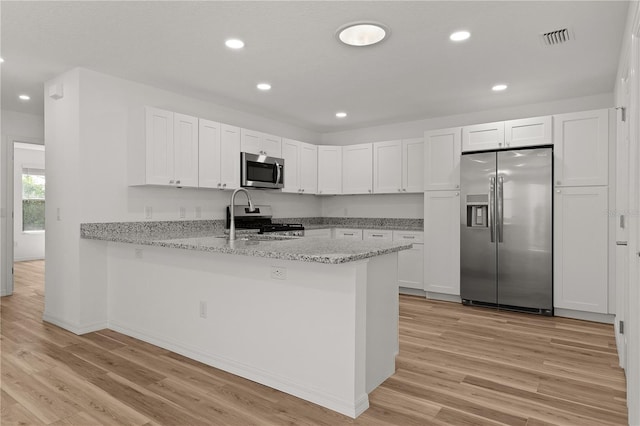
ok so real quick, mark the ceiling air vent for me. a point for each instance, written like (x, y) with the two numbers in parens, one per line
(553, 38)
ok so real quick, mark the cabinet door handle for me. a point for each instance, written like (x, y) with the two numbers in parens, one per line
(558, 182)
(377, 235)
(178, 181)
(622, 221)
(171, 181)
(408, 237)
(224, 185)
(369, 191)
(404, 189)
(351, 235)
(219, 184)
(399, 190)
(458, 186)
(558, 191)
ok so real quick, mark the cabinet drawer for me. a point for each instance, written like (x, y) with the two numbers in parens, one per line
(377, 234)
(350, 234)
(318, 233)
(412, 236)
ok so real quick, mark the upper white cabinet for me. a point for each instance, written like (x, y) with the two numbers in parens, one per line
(507, 134)
(581, 148)
(219, 155)
(483, 136)
(442, 242)
(169, 155)
(260, 143)
(580, 249)
(413, 165)
(442, 159)
(301, 167)
(357, 165)
(528, 132)
(387, 167)
(329, 169)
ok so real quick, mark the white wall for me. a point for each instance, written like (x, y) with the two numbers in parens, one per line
(20, 127)
(411, 205)
(26, 245)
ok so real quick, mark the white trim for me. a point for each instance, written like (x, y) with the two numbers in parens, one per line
(585, 316)
(74, 328)
(348, 408)
(444, 297)
(412, 291)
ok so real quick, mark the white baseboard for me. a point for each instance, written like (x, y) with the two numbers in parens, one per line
(27, 259)
(74, 328)
(586, 316)
(349, 408)
(444, 297)
(412, 291)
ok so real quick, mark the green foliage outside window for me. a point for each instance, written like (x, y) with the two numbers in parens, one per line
(33, 187)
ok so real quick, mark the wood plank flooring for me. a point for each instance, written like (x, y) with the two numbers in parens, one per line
(457, 366)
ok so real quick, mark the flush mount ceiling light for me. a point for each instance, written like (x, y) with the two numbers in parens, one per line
(263, 86)
(341, 114)
(24, 97)
(362, 33)
(1, 60)
(499, 87)
(234, 43)
(459, 36)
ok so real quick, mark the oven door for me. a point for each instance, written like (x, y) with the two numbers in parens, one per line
(260, 171)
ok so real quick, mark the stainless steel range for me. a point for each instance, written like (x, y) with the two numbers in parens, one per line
(260, 219)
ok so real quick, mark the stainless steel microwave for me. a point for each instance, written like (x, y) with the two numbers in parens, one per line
(260, 171)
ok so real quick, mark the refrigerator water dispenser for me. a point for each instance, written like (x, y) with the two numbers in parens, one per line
(477, 210)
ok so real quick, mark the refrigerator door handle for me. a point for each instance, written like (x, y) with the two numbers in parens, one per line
(492, 202)
(500, 208)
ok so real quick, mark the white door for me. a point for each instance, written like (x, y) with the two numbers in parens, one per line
(329, 169)
(209, 154)
(185, 140)
(442, 159)
(308, 168)
(159, 147)
(357, 165)
(528, 132)
(291, 156)
(251, 141)
(387, 167)
(230, 157)
(413, 165)
(442, 242)
(580, 249)
(483, 136)
(581, 148)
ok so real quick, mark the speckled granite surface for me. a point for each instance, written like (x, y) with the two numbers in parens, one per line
(209, 236)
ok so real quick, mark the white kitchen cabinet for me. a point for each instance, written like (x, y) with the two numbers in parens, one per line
(387, 167)
(357, 169)
(329, 169)
(580, 249)
(442, 242)
(219, 155)
(411, 262)
(301, 167)
(377, 235)
(528, 132)
(318, 233)
(347, 234)
(581, 149)
(168, 153)
(412, 165)
(442, 159)
(483, 136)
(260, 143)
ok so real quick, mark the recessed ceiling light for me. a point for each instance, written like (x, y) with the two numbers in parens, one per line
(1, 60)
(234, 43)
(362, 33)
(264, 86)
(499, 87)
(460, 36)
(24, 97)
(341, 114)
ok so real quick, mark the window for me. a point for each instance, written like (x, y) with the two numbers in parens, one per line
(32, 199)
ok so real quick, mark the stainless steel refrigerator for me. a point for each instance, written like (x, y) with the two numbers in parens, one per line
(506, 216)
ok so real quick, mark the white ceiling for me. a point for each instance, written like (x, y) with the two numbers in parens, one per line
(416, 73)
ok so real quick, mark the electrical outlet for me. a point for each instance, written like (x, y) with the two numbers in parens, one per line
(183, 212)
(138, 253)
(198, 212)
(278, 273)
(148, 212)
(203, 309)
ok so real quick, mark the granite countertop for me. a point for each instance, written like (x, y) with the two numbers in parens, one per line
(213, 239)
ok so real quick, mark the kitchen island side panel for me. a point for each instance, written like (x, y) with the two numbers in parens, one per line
(305, 335)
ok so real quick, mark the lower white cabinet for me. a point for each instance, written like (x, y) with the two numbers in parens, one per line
(377, 235)
(442, 242)
(318, 233)
(347, 234)
(580, 249)
(411, 262)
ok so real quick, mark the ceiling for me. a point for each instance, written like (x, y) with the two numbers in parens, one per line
(416, 73)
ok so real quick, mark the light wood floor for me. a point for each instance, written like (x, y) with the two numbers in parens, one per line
(457, 366)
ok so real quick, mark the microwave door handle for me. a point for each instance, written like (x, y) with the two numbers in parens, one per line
(278, 172)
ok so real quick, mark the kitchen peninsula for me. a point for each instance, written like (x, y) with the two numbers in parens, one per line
(315, 318)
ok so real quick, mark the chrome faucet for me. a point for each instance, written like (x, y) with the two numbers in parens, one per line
(232, 222)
